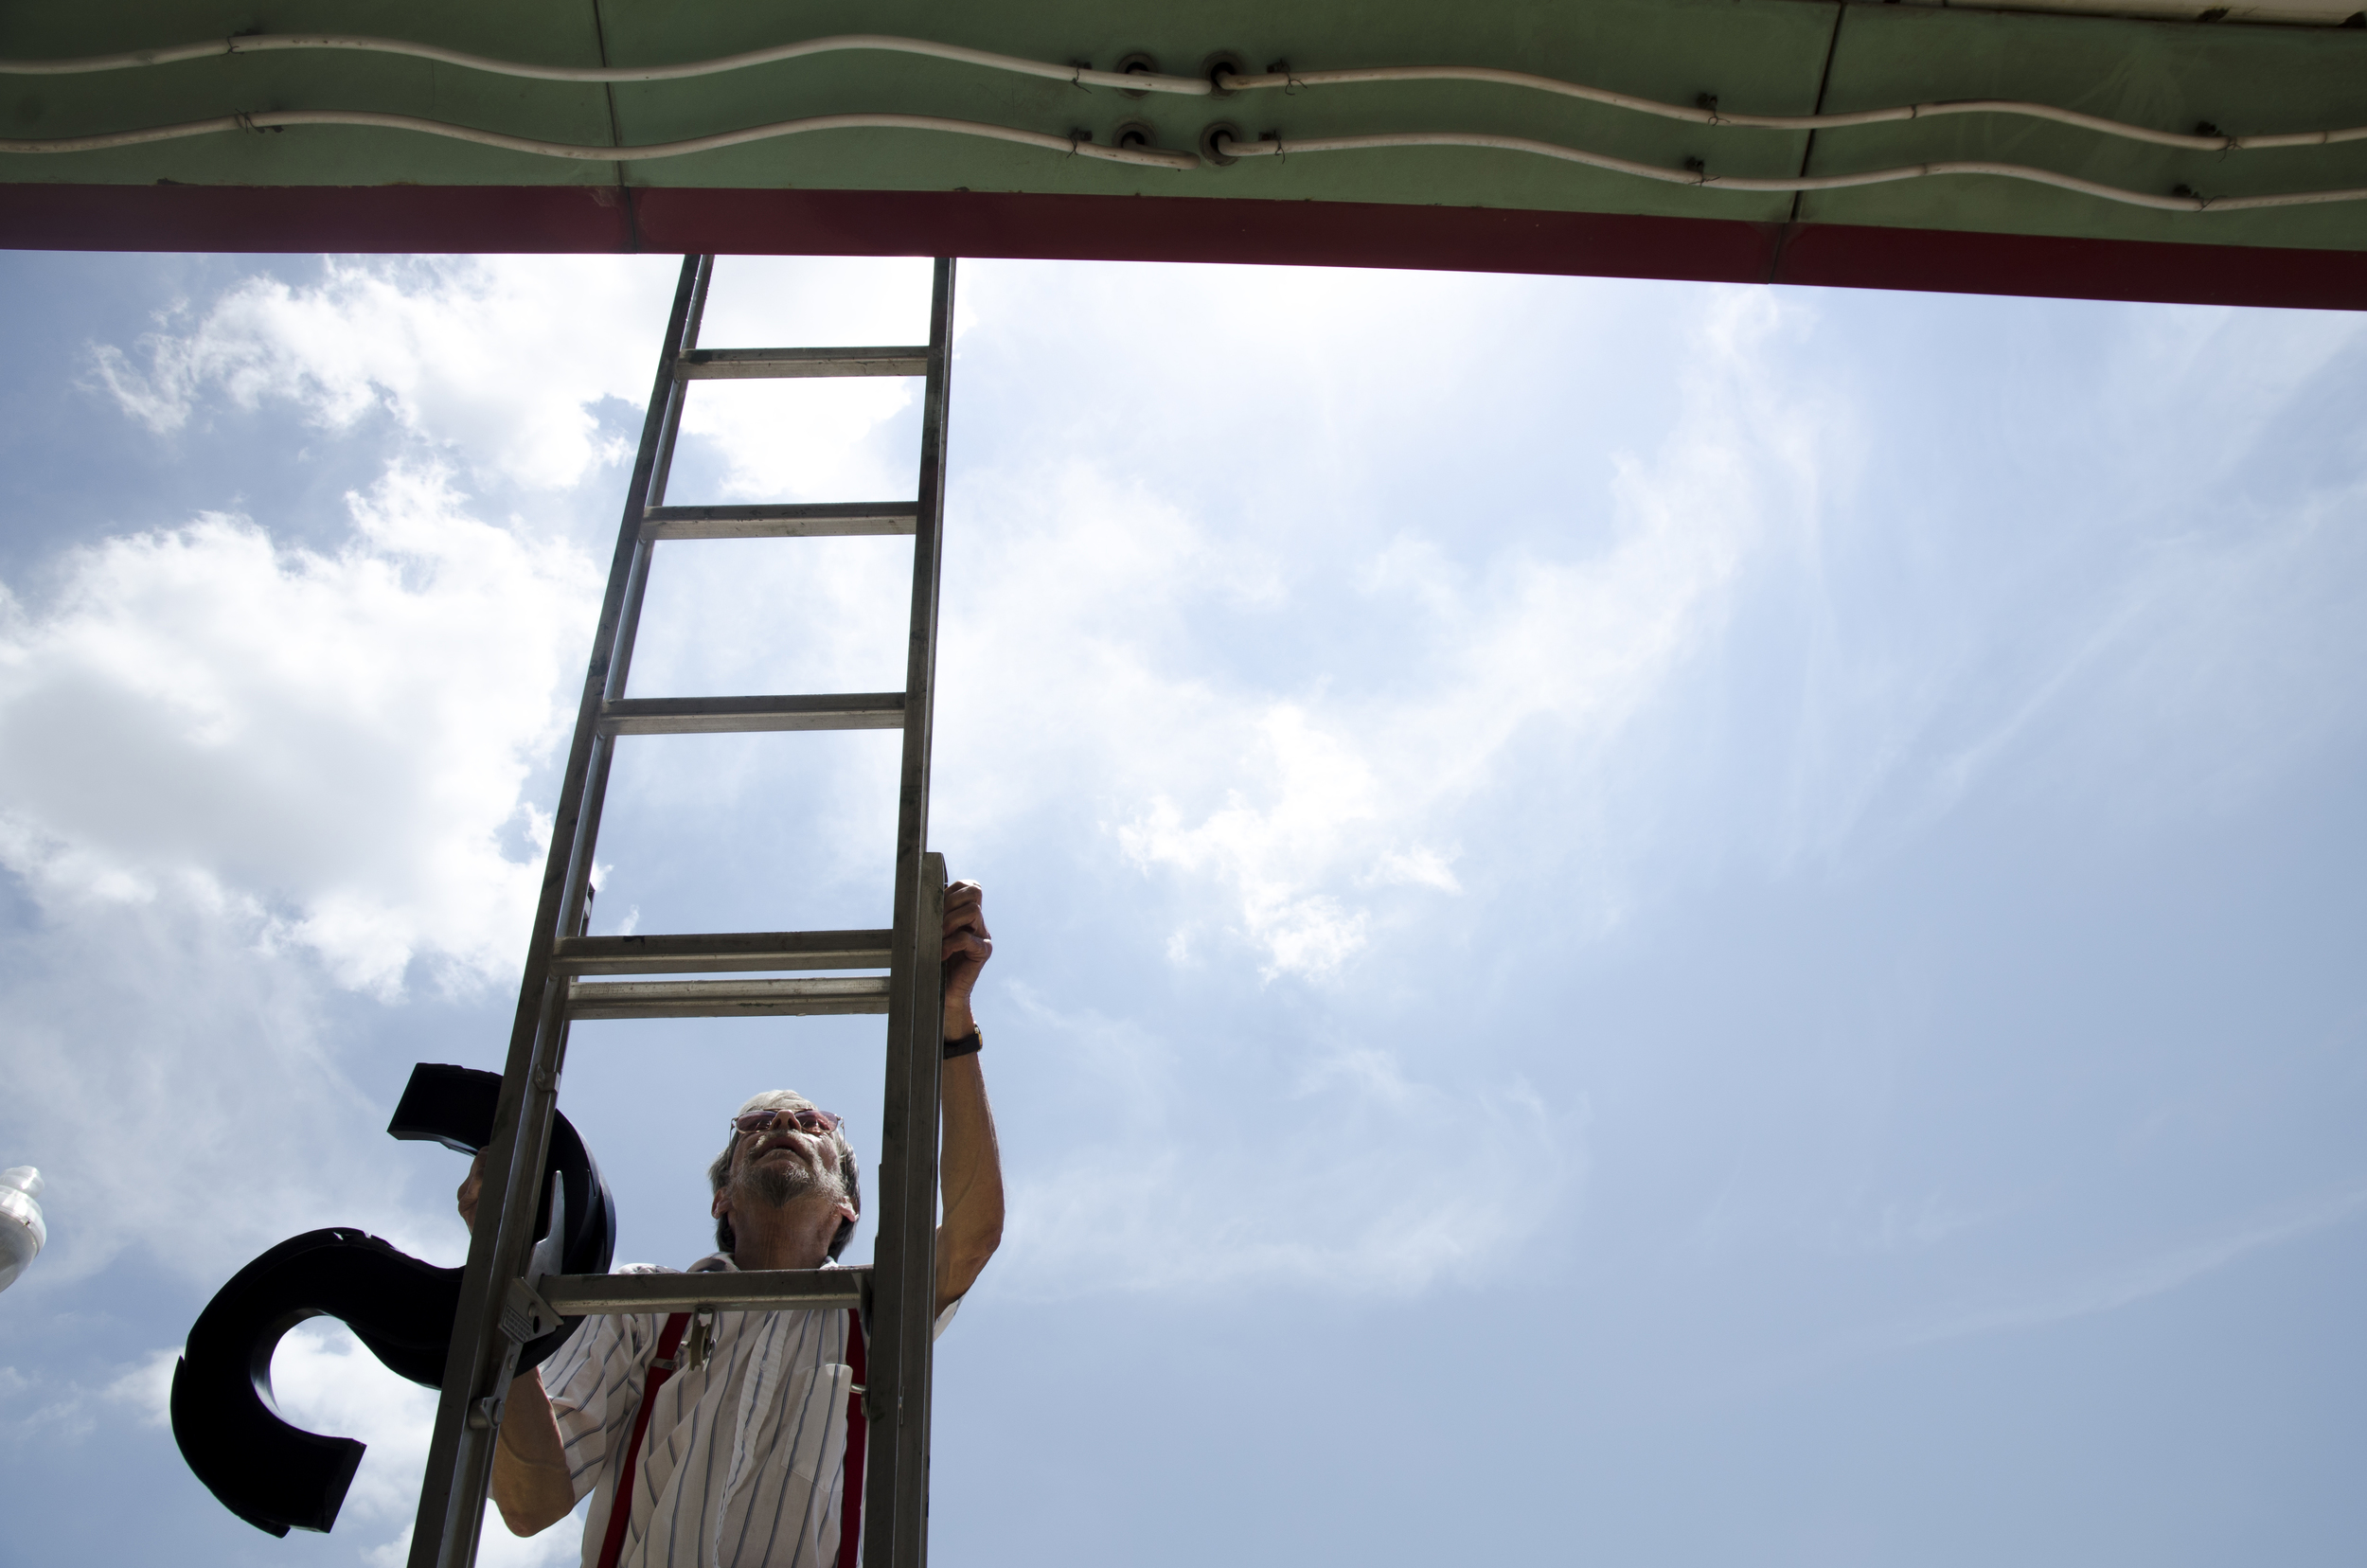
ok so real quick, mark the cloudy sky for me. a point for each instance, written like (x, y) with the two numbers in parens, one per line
(1637, 923)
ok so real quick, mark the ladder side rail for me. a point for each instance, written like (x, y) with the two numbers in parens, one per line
(928, 989)
(904, 1278)
(925, 1077)
(571, 916)
(477, 1367)
(904, 1273)
(662, 473)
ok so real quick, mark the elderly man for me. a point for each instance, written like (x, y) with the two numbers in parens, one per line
(737, 1459)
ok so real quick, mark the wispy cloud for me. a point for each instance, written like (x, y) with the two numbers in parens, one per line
(42, 1409)
(2137, 616)
(2124, 1284)
(1360, 1178)
(2207, 669)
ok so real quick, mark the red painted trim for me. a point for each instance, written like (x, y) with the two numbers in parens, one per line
(1848, 257)
(1163, 228)
(1156, 228)
(344, 219)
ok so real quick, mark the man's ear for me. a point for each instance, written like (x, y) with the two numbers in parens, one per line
(845, 1212)
(718, 1209)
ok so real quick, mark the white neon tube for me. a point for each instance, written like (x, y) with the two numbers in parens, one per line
(271, 120)
(1699, 115)
(265, 42)
(1231, 147)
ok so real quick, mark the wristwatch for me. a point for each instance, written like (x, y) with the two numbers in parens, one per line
(969, 1044)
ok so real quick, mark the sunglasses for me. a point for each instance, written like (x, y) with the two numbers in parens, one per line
(816, 1122)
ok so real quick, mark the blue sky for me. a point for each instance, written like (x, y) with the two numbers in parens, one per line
(1636, 923)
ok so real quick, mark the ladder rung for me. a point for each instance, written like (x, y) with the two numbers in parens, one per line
(749, 1291)
(743, 363)
(725, 998)
(740, 949)
(781, 522)
(738, 715)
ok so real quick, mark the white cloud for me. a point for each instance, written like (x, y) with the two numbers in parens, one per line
(499, 362)
(493, 358)
(1269, 852)
(232, 770)
(229, 771)
(807, 441)
(1290, 811)
(327, 749)
(147, 1389)
(800, 440)
(1308, 808)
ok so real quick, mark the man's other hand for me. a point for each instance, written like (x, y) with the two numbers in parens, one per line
(968, 947)
(472, 1188)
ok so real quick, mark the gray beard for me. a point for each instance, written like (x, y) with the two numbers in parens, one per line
(778, 1186)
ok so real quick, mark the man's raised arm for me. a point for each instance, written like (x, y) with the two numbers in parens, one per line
(970, 1168)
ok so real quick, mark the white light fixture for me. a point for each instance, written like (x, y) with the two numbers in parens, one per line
(22, 1232)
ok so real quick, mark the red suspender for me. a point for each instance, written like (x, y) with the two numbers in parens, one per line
(850, 1504)
(620, 1501)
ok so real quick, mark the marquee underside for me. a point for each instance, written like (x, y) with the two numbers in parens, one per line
(870, 190)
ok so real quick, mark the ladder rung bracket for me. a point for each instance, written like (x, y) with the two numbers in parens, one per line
(741, 715)
(733, 950)
(753, 1291)
(835, 520)
(775, 364)
(726, 998)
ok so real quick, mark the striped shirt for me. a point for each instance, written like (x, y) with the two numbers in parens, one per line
(745, 1456)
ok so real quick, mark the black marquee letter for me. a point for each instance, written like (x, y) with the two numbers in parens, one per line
(276, 1476)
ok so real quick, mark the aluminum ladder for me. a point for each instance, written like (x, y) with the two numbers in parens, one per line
(500, 1306)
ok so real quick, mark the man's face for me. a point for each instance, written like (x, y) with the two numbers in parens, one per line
(783, 1164)
(785, 1161)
